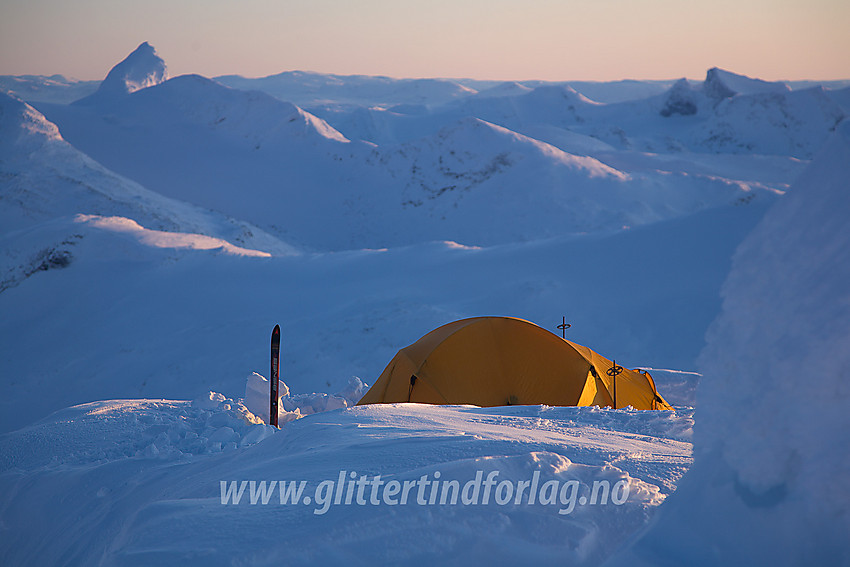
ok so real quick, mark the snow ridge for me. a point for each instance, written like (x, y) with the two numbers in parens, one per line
(720, 84)
(23, 127)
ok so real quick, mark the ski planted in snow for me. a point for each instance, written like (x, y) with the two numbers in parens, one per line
(275, 375)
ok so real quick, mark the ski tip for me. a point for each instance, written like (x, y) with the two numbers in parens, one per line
(276, 330)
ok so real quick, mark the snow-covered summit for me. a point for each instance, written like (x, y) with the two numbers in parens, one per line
(23, 126)
(682, 99)
(198, 100)
(724, 84)
(507, 88)
(141, 69)
(470, 136)
(686, 98)
(559, 93)
(307, 89)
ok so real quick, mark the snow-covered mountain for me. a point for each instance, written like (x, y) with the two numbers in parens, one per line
(53, 88)
(141, 69)
(520, 160)
(193, 139)
(726, 113)
(720, 83)
(508, 88)
(45, 178)
(743, 114)
(484, 184)
(311, 90)
(308, 89)
(47, 183)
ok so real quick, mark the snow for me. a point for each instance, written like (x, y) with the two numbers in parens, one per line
(100, 432)
(679, 386)
(141, 69)
(41, 88)
(509, 88)
(295, 406)
(163, 239)
(308, 88)
(145, 475)
(25, 128)
(722, 84)
(771, 429)
(151, 237)
(180, 322)
(842, 98)
(47, 182)
(288, 164)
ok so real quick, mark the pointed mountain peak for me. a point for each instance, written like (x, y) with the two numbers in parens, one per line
(141, 69)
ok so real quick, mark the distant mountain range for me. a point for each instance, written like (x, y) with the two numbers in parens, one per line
(537, 162)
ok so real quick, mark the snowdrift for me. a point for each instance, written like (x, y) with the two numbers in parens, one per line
(768, 484)
(156, 481)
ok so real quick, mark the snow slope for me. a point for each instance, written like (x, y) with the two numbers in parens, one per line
(46, 178)
(124, 308)
(485, 184)
(142, 480)
(771, 439)
(842, 98)
(46, 183)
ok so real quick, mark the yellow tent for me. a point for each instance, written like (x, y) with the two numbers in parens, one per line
(498, 361)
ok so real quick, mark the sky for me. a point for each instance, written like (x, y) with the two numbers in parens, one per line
(481, 39)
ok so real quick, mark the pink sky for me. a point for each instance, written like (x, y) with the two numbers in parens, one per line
(486, 39)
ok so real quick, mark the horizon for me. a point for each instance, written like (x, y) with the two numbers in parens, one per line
(171, 74)
(695, 78)
(498, 40)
